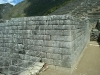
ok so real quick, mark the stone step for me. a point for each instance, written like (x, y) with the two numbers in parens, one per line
(33, 70)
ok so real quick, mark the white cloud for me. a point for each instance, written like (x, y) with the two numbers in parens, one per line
(7, 1)
(11, 2)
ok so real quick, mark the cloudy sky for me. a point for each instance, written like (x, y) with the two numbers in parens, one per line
(13, 2)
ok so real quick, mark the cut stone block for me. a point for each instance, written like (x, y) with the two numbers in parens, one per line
(40, 64)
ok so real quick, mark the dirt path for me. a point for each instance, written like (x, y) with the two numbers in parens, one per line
(88, 65)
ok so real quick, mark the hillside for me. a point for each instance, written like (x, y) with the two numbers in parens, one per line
(4, 8)
(35, 8)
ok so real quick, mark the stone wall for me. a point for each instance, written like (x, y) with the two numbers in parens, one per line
(57, 40)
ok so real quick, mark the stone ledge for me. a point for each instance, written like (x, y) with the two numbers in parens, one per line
(33, 70)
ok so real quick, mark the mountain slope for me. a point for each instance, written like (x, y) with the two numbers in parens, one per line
(35, 8)
(4, 8)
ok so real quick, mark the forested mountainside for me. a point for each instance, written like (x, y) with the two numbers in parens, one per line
(35, 8)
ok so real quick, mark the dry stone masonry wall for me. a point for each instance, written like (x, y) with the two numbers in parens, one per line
(58, 40)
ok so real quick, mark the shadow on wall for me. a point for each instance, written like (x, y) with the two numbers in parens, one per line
(41, 7)
(98, 40)
(98, 27)
(0, 16)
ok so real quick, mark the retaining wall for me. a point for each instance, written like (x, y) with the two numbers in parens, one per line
(57, 39)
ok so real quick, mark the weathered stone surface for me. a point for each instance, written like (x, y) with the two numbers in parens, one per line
(61, 38)
(56, 56)
(2, 74)
(65, 61)
(49, 61)
(56, 40)
(57, 62)
(1, 63)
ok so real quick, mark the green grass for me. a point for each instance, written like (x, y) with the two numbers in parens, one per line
(56, 7)
(44, 7)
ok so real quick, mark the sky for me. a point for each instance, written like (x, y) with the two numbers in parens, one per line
(13, 2)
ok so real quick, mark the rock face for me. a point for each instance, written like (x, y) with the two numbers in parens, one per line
(4, 8)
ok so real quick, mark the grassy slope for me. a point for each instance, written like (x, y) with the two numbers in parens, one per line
(17, 11)
(35, 8)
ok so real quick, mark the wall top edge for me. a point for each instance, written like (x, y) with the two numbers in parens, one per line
(50, 17)
(45, 18)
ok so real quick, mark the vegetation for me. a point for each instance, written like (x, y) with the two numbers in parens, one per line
(43, 7)
(35, 8)
(4, 8)
(56, 6)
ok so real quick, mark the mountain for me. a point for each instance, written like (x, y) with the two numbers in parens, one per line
(35, 8)
(4, 8)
